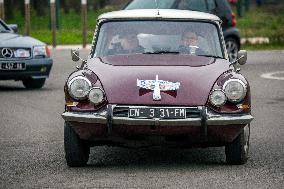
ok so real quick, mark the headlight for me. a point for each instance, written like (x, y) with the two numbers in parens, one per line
(22, 53)
(96, 95)
(235, 90)
(79, 87)
(218, 98)
(41, 51)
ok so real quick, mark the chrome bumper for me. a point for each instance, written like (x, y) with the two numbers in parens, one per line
(211, 119)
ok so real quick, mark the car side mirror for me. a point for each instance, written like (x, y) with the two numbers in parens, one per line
(75, 55)
(242, 57)
(14, 27)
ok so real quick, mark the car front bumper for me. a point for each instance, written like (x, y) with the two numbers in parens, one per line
(211, 119)
(35, 69)
(208, 124)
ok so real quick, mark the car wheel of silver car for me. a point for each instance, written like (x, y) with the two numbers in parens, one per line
(237, 151)
(33, 83)
(232, 48)
(76, 150)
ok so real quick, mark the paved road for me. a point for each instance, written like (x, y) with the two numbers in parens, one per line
(32, 156)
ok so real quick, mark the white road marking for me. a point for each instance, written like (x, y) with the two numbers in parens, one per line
(273, 75)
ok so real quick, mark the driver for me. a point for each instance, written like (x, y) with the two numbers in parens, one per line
(190, 44)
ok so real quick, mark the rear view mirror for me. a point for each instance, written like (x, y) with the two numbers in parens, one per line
(14, 27)
(242, 57)
(75, 55)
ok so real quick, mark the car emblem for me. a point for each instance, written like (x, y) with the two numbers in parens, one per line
(7, 53)
(157, 86)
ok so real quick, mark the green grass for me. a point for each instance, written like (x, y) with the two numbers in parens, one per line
(265, 21)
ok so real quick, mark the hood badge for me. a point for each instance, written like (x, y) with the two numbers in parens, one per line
(157, 86)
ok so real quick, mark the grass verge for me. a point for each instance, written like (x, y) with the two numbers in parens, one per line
(265, 21)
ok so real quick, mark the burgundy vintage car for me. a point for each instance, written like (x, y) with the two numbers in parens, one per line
(157, 77)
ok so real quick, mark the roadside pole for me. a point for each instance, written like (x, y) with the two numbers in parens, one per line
(27, 17)
(53, 22)
(2, 12)
(84, 22)
(247, 5)
(239, 8)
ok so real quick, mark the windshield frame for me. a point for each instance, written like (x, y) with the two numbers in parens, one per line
(3, 24)
(103, 21)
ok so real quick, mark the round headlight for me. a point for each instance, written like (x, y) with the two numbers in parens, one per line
(218, 98)
(79, 87)
(235, 90)
(96, 95)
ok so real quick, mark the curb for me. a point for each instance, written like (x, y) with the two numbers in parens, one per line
(255, 40)
(69, 47)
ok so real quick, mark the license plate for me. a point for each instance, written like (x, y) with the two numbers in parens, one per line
(12, 66)
(164, 113)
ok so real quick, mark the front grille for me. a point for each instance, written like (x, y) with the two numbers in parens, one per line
(192, 112)
(122, 111)
(5, 53)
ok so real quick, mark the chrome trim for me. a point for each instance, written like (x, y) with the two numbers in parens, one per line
(84, 117)
(211, 119)
(219, 119)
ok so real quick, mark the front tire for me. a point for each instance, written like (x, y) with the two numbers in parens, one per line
(76, 150)
(237, 151)
(33, 83)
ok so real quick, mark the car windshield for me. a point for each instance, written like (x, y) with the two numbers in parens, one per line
(199, 5)
(158, 37)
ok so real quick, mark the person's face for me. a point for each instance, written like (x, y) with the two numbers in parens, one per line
(189, 39)
(129, 42)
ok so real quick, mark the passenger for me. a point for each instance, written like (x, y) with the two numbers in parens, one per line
(129, 44)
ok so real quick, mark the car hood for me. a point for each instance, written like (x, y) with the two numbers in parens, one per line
(196, 75)
(15, 40)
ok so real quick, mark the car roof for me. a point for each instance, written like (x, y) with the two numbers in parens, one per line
(161, 13)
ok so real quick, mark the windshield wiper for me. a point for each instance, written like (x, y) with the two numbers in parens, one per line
(162, 52)
(211, 56)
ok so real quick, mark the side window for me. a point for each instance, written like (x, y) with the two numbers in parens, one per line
(211, 5)
(197, 5)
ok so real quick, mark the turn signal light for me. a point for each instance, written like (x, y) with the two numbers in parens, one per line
(47, 51)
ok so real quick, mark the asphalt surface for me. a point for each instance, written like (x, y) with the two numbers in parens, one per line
(32, 154)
